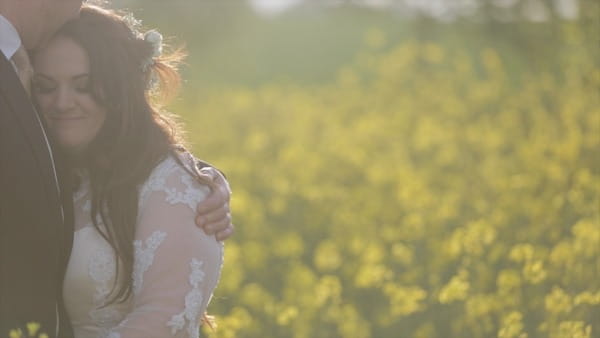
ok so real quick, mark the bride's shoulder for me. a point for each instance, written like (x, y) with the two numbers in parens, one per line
(176, 175)
(177, 163)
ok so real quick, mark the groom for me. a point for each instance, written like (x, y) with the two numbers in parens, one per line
(36, 216)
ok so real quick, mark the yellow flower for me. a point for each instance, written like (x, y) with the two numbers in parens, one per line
(33, 328)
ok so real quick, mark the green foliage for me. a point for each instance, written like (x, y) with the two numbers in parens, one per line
(427, 192)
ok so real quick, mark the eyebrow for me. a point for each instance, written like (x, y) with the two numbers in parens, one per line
(76, 77)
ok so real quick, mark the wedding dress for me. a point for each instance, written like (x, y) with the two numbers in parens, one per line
(176, 265)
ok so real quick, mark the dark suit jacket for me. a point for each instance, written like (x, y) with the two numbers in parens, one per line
(35, 237)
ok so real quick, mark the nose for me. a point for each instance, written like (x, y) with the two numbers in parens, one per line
(65, 100)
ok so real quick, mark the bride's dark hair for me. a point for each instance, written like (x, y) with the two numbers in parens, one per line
(125, 78)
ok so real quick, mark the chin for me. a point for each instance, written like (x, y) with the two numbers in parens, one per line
(72, 149)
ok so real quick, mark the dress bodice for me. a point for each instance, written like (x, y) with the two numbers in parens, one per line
(176, 265)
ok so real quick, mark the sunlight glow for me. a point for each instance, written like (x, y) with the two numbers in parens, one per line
(273, 6)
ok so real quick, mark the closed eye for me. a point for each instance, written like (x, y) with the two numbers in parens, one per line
(43, 87)
(82, 84)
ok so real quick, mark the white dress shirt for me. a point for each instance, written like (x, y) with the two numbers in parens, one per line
(9, 38)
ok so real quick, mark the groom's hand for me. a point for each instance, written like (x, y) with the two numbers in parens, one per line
(214, 215)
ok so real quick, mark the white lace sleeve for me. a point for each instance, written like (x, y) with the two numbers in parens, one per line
(177, 265)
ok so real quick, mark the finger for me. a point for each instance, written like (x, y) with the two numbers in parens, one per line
(214, 201)
(225, 234)
(222, 182)
(218, 180)
(217, 226)
(210, 173)
(210, 219)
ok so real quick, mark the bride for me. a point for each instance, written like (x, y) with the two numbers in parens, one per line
(139, 266)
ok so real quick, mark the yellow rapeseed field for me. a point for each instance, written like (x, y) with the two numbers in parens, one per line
(424, 193)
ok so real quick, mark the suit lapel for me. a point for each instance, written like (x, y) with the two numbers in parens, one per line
(21, 106)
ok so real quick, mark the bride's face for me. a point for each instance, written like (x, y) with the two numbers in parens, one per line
(62, 90)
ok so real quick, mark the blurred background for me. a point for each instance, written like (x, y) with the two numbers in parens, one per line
(400, 168)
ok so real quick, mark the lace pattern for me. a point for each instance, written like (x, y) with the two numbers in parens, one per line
(113, 335)
(193, 303)
(83, 190)
(157, 180)
(187, 192)
(190, 196)
(144, 257)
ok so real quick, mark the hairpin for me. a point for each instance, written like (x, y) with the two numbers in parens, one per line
(155, 39)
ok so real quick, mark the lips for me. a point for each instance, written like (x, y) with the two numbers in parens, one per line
(66, 122)
(66, 118)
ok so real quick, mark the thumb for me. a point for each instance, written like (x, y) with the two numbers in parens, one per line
(210, 175)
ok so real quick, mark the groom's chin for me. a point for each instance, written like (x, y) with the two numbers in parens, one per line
(42, 43)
